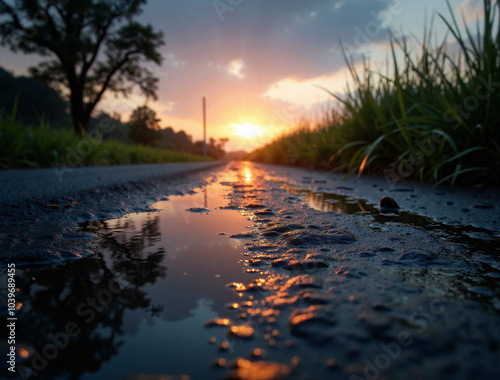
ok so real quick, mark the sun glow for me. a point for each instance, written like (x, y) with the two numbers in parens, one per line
(247, 130)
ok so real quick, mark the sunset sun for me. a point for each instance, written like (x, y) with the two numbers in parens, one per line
(247, 130)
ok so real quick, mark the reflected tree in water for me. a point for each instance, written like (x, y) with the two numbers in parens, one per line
(93, 293)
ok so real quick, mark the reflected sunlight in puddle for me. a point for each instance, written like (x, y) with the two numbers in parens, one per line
(144, 296)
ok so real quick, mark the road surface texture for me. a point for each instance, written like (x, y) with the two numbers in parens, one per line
(40, 208)
(342, 290)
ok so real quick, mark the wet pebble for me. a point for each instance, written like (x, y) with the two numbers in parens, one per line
(311, 322)
(252, 270)
(270, 234)
(220, 362)
(255, 287)
(51, 206)
(365, 254)
(418, 256)
(348, 272)
(304, 281)
(258, 353)
(305, 264)
(388, 204)
(229, 207)
(264, 213)
(237, 286)
(255, 263)
(243, 235)
(280, 263)
(316, 256)
(317, 298)
(380, 307)
(312, 238)
(198, 210)
(484, 206)
(254, 206)
(286, 228)
(487, 259)
(217, 322)
(479, 235)
(376, 322)
(263, 256)
(242, 332)
(383, 249)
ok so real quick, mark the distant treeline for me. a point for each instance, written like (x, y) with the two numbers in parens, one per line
(37, 101)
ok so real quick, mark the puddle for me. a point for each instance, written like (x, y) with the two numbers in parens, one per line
(480, 240)
(139, 304)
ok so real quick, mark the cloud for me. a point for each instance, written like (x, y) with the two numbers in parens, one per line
(306, 93)
(173, 60)
(472, 10)
(235, 68)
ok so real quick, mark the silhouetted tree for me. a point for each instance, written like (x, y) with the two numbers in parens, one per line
(110, 127)
(166, 140)
(144, 127)
(215, 148)
(182, 142)
(96, 46)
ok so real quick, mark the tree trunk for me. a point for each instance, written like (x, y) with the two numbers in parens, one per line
(79, 116)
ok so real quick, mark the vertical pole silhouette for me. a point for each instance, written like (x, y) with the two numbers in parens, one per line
(204, 128)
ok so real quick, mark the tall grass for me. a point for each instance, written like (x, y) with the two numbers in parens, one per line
(435, 117)
(43, 146)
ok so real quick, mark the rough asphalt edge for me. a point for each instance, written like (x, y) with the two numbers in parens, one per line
(40, 215)
(363, 293)
(40, 208)
(450, 205)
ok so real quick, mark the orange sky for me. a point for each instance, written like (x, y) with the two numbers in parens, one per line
(259, 62)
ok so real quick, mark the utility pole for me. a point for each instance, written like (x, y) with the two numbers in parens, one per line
(204, 127)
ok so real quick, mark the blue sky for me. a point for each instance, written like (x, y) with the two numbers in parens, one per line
(258, 62)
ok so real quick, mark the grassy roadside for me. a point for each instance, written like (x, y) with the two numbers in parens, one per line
(435, 117)
(43, 146)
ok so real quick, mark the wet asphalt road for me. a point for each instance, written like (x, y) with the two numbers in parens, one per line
(349, 296)
(19, 185)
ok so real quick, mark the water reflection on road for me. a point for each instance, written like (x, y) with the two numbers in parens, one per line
(138, 305)
(326, 201)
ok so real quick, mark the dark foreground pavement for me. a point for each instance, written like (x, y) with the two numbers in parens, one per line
(35, 184)
(336, 295)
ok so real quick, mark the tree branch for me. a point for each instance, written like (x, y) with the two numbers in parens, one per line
(110, 75)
